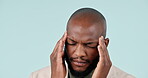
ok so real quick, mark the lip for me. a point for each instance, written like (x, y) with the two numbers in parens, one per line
(79, 63)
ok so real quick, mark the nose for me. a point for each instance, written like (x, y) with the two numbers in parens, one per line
(80, 51)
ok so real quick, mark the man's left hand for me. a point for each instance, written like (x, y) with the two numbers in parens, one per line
(104, 63)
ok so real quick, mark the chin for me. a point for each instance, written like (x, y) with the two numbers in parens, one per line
(79, 69)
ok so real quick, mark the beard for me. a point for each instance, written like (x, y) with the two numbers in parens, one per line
(80, 74)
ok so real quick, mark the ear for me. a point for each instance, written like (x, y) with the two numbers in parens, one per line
(106, 41)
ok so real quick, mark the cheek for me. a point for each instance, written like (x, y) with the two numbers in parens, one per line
(70, 50)
(92, 54)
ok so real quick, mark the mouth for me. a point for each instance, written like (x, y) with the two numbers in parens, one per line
(79, 63)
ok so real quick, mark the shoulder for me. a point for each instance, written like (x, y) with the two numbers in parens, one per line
(118, 73)
(113, 73)
(42, 73)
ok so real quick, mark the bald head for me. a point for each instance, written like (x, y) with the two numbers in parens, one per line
(87, 18)
(84, 28)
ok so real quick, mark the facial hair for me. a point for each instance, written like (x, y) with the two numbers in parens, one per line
(81, 74)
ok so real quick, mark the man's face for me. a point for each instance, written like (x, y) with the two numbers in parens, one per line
(81, 46)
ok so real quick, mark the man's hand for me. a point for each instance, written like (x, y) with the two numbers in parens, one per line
(104, 63)
(58, 69)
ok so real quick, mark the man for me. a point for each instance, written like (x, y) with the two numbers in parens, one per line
(82, 51)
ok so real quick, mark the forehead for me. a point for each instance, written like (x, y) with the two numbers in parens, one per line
(85, 34)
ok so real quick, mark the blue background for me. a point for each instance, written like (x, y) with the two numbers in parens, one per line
(29, 30)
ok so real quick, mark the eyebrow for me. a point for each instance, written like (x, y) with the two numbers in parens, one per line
(71, 39)
(89, 42)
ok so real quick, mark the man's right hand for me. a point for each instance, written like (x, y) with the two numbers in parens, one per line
(58, 69)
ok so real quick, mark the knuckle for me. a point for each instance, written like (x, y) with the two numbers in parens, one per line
(59, 41)
(62, 41)
(51, 56)
(103, 64)
(110, 63)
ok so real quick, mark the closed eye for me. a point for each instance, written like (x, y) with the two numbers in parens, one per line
(71, 42)
(91, 45)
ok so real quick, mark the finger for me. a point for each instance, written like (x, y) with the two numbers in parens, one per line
(103, 58)
(107, 55)
(104, 48)
(102, 42)
(61, 45)
(62, 42)
(63, 37)
(55, 49)
(57, 45)
(100, 50)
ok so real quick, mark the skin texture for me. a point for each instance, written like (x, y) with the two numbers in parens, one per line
(58, 68)
(85, 43)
